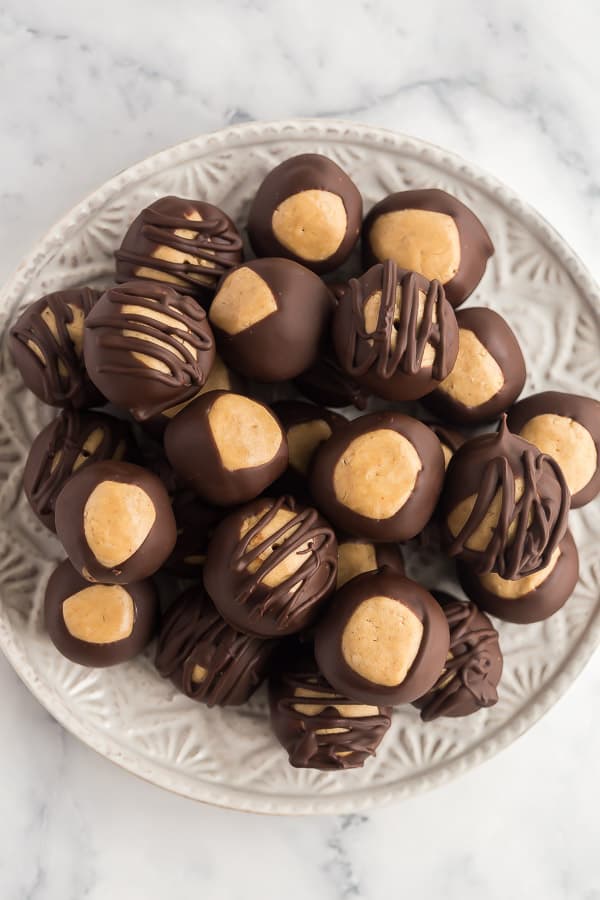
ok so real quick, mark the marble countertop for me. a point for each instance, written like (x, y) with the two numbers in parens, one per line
(86, 89)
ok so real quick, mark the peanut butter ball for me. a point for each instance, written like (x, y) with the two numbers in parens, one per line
(489, 372)
(567, 428)
(71, 441)
(46, 344)
(307, 209)
(228, 447)
(379, 477)
(505, 505)
(531, 598)
(357, 556)
(384, 639)
(207, 659)
(99, 624)
(148, 348)
(395, 333)
(319, 727)
(269, 567)
(431, 232)
(269, 317)
(115, 522)
(189, 244)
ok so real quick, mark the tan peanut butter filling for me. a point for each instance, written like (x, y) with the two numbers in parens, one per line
(476, 376)
(354, 558)
(99, 614)
(245, 433)
(290, 563)
(420, 240)
(483, 533)
(117, 519)
(381, 640)
(566, 441)
(311, 224)
(303, 440)
(243, 300)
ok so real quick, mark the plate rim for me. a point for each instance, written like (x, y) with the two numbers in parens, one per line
(368, 797)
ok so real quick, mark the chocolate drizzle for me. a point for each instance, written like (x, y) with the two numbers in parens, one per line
(194, 635)
(328, 740)
(529, 529)
(60, 379)
(215, 241)
(474, 665)
(366, 350)
(290, 599)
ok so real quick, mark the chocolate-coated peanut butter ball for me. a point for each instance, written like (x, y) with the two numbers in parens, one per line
(319, 727)
(71, 441)
(395, 333)
(530, 598)
(357, 556)
(383, 639)
(270, 565)
(148, 348)
(379, 477)
(489, 372)
(269, 317)
(99, 624)
(431, 232)
(115, 521)
(228, 447)
(505, 505)
(46, 344)
(205, 658)
(189, 244)
(567, 428)
(473, 669)
(308, 210)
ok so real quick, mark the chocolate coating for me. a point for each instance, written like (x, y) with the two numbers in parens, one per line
(499, 340)
(53, 325)
(239, 567)
(64, 582)
(208, 245)
(413, 515)
(389, 355)
(286, 342)
(194, 454)
(449, 438)
(583, 410)
(389, 555)
(535, 605)
(473, 669)
(325, 382)
(70, 518)
(430, 656)
(307, 172)
(475, 244)
(196, 522)
(524, 532)
(147, 348)
(328, 731)
(71, 441)
(204, 657)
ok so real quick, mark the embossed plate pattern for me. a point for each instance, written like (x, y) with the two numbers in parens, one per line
(228, 757)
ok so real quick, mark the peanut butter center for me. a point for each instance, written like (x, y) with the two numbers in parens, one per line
(290, 563)
(117, 519)
(566, 441)
(519, 587)
(303, 440)
(420, 240)
(99, 614)
(354, 558)
(476, 376)
(311, 224)
(381, 640)
(243, 300)
(245, 433)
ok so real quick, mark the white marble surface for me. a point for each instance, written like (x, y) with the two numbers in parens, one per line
(87, 89)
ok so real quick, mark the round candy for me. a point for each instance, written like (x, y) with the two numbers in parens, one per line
(147, 347)
(384, 639)
(379, 477)
(566, 427)
(70, 442)
(228, 447)
(489, 372)
(269, 567)
(395, 332)
(357, 556)
(505, 505)
(188, 243)
(196, 522)
(531, 598)
(473, 668)
(269, 316)
(326, 383)
(430, 232)
(46, 344)
(319, 727)
(115, 522)
(204, 657)
(99, 624)
(307, 209)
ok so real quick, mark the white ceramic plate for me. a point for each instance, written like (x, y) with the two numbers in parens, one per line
(228, 757)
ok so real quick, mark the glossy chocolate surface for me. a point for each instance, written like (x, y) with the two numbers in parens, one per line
(196, 522)
(326, 383)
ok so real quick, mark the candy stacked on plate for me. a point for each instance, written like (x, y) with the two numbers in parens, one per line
(274, 522)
